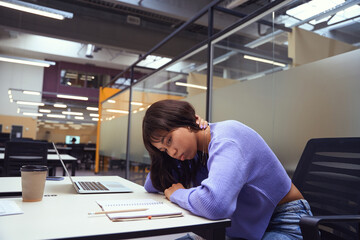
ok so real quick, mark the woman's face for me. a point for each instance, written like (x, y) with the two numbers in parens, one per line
(180, 144)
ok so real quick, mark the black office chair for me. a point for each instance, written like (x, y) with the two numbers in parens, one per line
(328, 175)
(77, 151)
(18, 154)
(22, 140)
(89, 156)
(4, 137)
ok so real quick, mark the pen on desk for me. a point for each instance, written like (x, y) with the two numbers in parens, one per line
(119, 211)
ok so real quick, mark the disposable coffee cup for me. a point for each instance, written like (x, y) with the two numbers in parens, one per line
(33, 179)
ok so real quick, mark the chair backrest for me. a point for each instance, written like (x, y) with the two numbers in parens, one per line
(18, 154)
(328, 175)
(77, 150)
(22, 139)
(4, 137)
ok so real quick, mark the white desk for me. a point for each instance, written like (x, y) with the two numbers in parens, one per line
(66, 215)
(53, 160)
(52, 157)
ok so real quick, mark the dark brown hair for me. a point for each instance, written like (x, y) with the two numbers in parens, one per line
(160, 118)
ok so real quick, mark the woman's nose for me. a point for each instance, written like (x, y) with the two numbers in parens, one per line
(172, 152)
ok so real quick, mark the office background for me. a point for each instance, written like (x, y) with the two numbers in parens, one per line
(315, 93)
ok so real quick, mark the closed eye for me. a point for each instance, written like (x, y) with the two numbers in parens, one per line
(168, 143)
(163, 150)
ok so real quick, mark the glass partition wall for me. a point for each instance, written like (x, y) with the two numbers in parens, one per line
(227, 74)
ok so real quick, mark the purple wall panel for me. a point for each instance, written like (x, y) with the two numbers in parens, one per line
(51, 82)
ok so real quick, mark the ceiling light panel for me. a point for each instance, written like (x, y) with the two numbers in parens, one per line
(33, 114)
(45, 110)
(59, 105)
(36, 9)
(312, 8)
(30, 103)
(31, 93)
(27, 61)
(190, 85)
(55, 116)
(72, 113)
(72, 97)
(92, 108)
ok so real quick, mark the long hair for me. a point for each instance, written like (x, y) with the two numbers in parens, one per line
(160, 118)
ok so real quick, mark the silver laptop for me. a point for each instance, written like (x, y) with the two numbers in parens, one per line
(94, 186)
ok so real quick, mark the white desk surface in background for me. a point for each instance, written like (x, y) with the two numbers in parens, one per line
(65, 157)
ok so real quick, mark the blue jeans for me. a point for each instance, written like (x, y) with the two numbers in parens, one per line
(284, 223)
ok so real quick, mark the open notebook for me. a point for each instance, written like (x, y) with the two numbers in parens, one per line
(93, 186)
(153, 209)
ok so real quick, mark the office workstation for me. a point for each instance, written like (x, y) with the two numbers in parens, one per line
(63, 214)
(290, 77)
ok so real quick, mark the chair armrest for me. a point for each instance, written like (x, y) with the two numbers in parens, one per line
(310, 225)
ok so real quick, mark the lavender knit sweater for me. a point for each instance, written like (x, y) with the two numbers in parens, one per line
(245, 181)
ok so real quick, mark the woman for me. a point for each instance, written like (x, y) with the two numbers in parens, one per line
(224, 171)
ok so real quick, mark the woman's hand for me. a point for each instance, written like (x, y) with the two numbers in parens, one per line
(201, 122)
(168, 192)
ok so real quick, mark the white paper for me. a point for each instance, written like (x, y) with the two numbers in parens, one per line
(154, 208)
(9, 208)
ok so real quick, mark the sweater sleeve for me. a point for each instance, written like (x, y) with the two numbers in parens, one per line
(216, 197)
(149, 186)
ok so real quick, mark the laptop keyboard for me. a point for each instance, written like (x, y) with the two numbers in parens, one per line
(95, 186)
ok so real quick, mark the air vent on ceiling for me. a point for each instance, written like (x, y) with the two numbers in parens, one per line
(133, 20)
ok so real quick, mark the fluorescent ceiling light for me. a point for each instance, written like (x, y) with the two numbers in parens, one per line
(348, 13)
(117, 111)
(72, 97)
(264, 60)
(94, 115)
(30, 103)
(92, 108)
(33, 114)
(95, 119)
(72, 113)
(153, 62)
(55, 116)
(190, 85)
(31, 93)
(28, 61)
(111, 101)
(51, 121)
(137, 103)
(79, 118)
(87, 124)
(45, 110)
(36, 9)
(312, 8)
(173, 79)
(59, 105)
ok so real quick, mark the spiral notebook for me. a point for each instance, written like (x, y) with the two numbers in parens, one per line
(154, 209)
